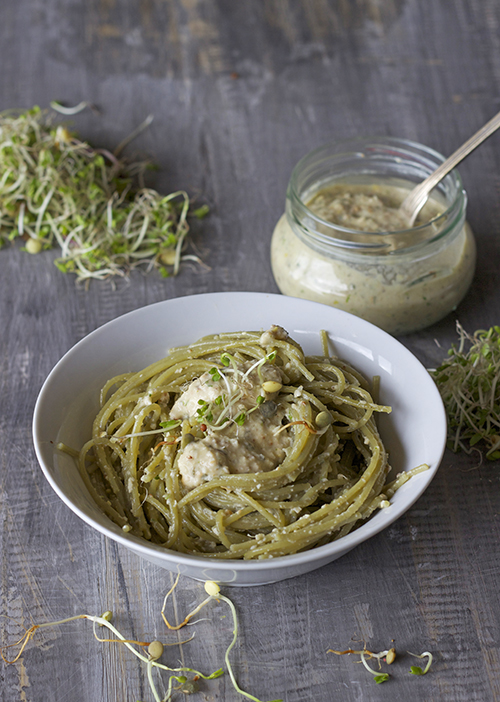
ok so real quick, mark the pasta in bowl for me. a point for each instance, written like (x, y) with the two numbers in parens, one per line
(240, 447)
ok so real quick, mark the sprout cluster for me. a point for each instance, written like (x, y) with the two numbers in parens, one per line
(468, 381)
(58, 190)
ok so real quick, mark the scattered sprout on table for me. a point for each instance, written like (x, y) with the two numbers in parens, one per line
(213, 591)
(388, 656)
(468, 381)
(416, 669)
(150, 652)
(57, 190)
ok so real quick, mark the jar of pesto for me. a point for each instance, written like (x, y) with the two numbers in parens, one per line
(341, 240)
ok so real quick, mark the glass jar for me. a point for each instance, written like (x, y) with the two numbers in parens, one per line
(400, 280)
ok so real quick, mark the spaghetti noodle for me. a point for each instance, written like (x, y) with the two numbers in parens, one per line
(238, 446)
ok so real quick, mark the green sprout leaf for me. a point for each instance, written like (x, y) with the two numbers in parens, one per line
(215, 374)
(417, 670)
(225, 359)
(170, 424)
(201, 212)
(383, 677)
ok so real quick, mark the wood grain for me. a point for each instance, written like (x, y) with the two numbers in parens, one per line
(239, 92)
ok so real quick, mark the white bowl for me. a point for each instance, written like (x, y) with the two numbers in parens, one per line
(414, 433)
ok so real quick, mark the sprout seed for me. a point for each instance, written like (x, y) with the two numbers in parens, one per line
(271, 386)
(155, 650)
(212, 588)
(33, 246)
(391, 656)
(107, 616)
(323, 419)
(168, 257)
(190, 687)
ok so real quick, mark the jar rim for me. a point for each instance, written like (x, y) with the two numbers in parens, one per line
(392, 149)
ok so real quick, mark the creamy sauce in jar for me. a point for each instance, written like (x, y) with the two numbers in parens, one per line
(367, 208)
(400, 291)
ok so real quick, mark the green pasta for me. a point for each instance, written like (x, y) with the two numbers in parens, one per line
(174, 457)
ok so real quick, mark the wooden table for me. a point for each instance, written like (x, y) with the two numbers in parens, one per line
(239, 92)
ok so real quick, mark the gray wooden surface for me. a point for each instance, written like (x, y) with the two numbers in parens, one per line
(240, 91)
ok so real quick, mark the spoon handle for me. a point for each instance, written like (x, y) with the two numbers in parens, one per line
(413, 203)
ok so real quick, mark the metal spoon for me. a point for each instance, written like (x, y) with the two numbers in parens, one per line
(413, 203)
